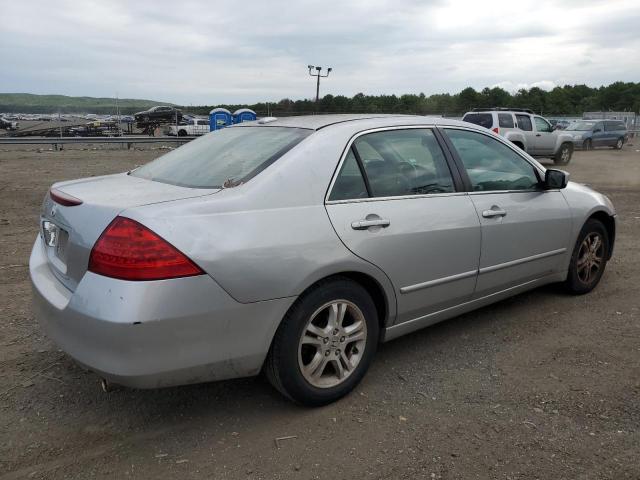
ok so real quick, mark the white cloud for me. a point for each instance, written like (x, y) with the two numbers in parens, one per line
(203, 53)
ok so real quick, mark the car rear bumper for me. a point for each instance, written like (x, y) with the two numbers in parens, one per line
(154, 334)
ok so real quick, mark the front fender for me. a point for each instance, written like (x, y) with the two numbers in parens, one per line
(584, 203)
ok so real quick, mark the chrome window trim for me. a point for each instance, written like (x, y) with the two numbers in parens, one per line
(398, 197)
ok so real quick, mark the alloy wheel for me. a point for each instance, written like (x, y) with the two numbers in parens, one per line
(590, 257)
(332, 343)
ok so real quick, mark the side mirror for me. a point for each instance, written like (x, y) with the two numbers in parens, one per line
(555, 178)
(596, 130)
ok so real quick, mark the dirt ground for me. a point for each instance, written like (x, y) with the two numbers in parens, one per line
(541, 386)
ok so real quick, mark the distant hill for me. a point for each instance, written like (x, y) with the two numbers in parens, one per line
(30, 103)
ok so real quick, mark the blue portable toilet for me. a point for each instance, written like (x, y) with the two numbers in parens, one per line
(219, 118)
(244, 115)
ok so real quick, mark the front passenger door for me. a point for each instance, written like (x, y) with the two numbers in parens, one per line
(525, 230)
(545, 139)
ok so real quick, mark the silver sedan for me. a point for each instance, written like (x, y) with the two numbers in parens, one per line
(295, 246)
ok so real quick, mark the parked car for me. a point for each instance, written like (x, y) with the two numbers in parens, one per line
(531, 132)
(193, 126)
(160, 113)
(294, 246)
(588, 134)
(8, 124)
(559, 124)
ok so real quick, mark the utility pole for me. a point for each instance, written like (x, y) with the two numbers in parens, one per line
(318, 75)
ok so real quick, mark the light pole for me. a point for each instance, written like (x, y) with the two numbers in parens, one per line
(318, 75)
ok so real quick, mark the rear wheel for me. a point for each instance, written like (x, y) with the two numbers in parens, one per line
(619, 144)
(587, 145)
(325, 343)
(564, 153)
(182, 133)
(589, 258)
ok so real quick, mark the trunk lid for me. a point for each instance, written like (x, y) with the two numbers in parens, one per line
(69, 233)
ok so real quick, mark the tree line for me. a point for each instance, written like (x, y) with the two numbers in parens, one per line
(565, 100)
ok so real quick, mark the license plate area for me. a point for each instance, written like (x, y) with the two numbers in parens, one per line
(56, 239)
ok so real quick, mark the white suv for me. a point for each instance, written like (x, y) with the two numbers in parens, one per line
(531, 132)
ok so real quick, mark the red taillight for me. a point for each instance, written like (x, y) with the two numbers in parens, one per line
(496, 130)
(64, 198)
(130, 251)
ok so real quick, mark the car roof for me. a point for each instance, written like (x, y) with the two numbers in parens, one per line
(318, 122)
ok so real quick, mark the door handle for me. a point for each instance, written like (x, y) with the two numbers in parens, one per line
(494, 212)
(538, 134)
(364, 224)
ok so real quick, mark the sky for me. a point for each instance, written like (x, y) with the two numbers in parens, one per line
(244, 51)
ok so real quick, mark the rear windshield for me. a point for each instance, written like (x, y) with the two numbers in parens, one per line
(482, 119)
(223, 158)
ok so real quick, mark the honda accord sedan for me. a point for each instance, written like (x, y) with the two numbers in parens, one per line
(295, 246)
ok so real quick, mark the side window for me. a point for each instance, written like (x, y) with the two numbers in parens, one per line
(505, 120)
(349, 183)
(404, 162)
(490, 164)
(598, 127)
(483, 119)
(542, 125)
(524, 122)
(614, 126)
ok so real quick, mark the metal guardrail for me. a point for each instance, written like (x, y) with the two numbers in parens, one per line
(83, 140)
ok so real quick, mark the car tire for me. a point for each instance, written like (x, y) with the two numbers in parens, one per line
(619, 144)
(182, 133)
(589, 258)
(587, 145)
(311, 359)
(564, 154)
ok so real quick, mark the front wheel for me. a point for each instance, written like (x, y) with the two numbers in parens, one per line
(564, 153)
(325, 344)
(589, 258)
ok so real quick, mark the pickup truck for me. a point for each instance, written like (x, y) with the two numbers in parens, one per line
(193, 126)
(531, 132)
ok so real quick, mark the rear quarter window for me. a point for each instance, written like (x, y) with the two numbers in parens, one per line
(613, 126)
(482, 119)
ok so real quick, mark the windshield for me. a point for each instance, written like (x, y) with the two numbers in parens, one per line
(223, 158)
(581, 126)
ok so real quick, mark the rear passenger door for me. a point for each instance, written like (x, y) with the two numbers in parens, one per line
(613, 131)
(525, 124)
(397, 203)
(525, 229)
(505, 123)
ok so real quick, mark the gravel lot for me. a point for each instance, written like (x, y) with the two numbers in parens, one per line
(543, 385)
